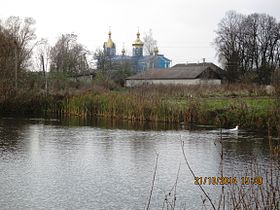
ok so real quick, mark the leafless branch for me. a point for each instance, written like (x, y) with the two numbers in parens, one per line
(153, 184)
(193, 174)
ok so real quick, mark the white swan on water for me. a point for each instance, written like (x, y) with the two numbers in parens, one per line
(234, 129)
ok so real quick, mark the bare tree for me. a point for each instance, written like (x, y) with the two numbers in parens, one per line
(23, 33)
(110, 70)
(149, 43)
(18, 39)
(227, 43)
(248, 44)
(6, 58)
(68, 56)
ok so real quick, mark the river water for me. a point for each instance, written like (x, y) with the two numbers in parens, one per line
(53, 165)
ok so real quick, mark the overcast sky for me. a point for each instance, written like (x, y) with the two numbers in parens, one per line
(184, 29)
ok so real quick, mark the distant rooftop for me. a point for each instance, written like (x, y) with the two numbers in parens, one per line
(187, 65)
(179, 71)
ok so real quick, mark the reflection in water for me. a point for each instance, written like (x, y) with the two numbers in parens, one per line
(118, 124)
(10, 135)
(49, 165)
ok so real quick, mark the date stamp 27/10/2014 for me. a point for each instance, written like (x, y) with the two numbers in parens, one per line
(246, 180)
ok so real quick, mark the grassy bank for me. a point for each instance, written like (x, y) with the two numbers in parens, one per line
(247, 112)
(249, 108)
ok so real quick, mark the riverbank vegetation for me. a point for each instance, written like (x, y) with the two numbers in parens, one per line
(223, 106)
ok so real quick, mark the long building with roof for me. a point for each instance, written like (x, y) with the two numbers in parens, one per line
(138, 60)
(183, 74)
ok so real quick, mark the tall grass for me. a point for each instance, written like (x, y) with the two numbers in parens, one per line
(22, 103)
(186, 105)
(247, 112)
(182, 91)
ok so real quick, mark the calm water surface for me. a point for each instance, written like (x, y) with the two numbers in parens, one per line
(54, 166)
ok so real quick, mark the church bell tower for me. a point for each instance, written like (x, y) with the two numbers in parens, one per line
(138, 46)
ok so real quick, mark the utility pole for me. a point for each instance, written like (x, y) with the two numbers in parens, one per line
(44, 72)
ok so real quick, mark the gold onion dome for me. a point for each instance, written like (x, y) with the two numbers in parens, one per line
(138, 42)
(109, 43)
(156, 50)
